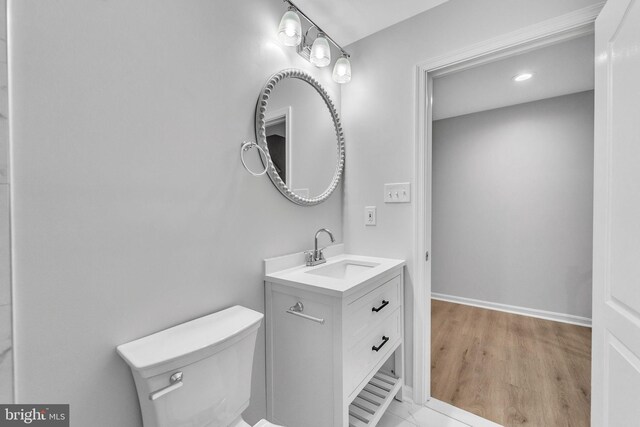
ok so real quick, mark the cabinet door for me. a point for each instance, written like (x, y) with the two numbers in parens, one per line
(302, 353)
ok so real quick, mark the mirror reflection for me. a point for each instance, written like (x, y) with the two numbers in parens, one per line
(301, 137)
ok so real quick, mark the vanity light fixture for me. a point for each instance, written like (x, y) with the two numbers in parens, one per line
(317, 50)
(320, 55)
(522, 77)
(342, 69)
(290, 29)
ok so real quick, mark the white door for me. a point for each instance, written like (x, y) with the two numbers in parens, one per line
(616, 264)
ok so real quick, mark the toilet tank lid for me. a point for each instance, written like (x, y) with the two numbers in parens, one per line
(189, 337)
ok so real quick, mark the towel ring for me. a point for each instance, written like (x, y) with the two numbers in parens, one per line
(246, 146)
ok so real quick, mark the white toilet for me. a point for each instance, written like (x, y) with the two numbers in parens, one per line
(196, 374)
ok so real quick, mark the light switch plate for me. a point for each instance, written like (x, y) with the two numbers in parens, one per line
(369, 215)
(397, 193)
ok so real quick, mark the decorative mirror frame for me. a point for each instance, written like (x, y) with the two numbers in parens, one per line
(261, 135)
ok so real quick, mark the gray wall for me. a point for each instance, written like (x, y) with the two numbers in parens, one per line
(379, 114)
(6, 344)
(132, 210)
(513, 205)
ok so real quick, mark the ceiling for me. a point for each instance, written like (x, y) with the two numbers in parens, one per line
(559, 69)
(347, 21)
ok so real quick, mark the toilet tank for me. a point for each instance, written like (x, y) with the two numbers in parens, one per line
(214, 354)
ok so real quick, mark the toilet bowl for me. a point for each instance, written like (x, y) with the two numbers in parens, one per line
(197, 373)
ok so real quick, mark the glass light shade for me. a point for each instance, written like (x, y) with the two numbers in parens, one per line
(320, 52)
(342, 70)
(290, 30)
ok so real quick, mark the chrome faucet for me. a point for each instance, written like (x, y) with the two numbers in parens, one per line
(316, 256)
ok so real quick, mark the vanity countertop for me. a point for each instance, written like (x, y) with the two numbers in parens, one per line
(342, 274)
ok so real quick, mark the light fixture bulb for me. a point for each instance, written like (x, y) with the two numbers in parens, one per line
(522, 77)
(320, 52)
(290, 29)
(342, 70)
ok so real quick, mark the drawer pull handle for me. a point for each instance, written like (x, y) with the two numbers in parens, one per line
(384, 341)
(384, 304)
(297, 309)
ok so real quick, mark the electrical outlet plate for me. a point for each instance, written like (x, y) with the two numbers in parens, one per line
(369, 215)
(397, 193)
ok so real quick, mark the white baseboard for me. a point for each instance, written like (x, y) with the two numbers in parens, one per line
(513, 309)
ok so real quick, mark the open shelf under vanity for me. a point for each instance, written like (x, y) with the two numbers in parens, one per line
(374, 399)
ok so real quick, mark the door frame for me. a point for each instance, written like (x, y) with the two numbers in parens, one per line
(555, 30)
(276, 115)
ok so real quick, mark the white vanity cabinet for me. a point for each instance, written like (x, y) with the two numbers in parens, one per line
(334, 345)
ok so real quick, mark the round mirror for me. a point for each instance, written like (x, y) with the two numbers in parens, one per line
(298, 127)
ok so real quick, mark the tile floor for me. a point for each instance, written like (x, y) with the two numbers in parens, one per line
(435, 414)
(410, 415)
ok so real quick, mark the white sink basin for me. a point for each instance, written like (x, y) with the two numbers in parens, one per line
(345, 269)
(341, 276)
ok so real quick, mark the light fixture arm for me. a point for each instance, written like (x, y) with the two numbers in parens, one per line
(306, 33)
(320, 30)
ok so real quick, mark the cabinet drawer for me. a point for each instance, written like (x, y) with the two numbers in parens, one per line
(374, 348)
(367, 311)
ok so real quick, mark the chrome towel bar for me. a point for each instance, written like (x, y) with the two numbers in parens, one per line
(297, 310)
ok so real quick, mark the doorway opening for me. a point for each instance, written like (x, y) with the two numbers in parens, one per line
(428, 74)
(512, 216)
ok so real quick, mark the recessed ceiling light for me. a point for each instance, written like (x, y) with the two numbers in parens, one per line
(522, 77)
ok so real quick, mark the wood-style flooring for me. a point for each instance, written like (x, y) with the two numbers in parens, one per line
(513, 370)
